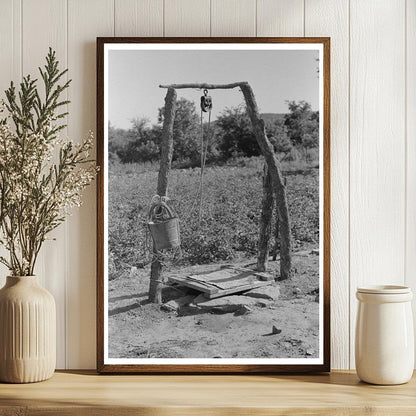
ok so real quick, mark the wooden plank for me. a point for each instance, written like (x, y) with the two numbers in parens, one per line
(222, 282)
(187, 18)
(227, 276)
(86, 393)
(237, 289)
(138, 17)
(377, 147)
(260, 275)
(86, 21)
(233, 18)
(330, 18)
(203, 287)
(50, 15)
(280, 18)
(411, 149)
(10, 65)
(229, 282)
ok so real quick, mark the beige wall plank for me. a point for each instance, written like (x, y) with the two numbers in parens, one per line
(10, 65)
(377, 140)
(138, 17)
(187, 18)
(330, 18)
(86, 21)
(10, 43)
(233, 18)
(411, 149)
(280, 18)
(44, 26)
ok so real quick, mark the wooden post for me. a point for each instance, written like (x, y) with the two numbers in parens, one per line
(276, 232)
(265, 222)
(273, 165)
(276, 237)
(156, 279)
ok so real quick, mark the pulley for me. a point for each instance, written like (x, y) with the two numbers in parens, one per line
(206, 102)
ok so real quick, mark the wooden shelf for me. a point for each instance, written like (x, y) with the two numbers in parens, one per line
(86, 393)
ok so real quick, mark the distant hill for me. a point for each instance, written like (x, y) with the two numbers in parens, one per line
(272, 117)
(267, 117)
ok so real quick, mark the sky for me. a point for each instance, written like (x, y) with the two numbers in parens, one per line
(275, 76)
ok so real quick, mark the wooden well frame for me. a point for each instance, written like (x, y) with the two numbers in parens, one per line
(273, 184)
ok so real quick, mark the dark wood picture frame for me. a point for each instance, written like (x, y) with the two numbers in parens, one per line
(102, 367)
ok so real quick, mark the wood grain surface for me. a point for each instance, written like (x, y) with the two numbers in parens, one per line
(85, 393)
(138, 18)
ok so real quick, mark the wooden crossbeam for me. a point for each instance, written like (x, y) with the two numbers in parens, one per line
(206, 86)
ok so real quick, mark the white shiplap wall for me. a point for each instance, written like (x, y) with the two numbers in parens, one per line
(373, 131)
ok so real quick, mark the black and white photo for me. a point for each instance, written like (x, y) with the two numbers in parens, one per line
(213, 205)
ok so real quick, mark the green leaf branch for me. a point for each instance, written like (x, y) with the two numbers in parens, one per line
(42, 176)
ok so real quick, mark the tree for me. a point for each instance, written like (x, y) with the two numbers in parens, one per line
(277, 134)
(236, 133)
(116, 140)
(186, 131)
(302, 124)
(142, 142)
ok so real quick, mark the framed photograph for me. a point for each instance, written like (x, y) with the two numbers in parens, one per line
(213, 205)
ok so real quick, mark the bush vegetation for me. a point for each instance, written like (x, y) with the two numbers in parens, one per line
(230, 136)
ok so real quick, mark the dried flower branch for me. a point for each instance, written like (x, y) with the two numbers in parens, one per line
(37, 188)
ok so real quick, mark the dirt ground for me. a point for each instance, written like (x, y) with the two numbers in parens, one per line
(139, 329)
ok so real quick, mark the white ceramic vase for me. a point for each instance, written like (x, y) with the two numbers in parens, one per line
(27, 331)
(384, 352)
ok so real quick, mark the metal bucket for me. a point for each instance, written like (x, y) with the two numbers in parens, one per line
(164, 227)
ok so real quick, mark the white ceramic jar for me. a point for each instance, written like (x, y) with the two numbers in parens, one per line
(384, 352)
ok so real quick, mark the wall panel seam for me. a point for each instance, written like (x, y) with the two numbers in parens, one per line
(349, 184)
(164, 18)
(21, 39)
(210, 18)
(304, 18)
(20, 75)
(66, 222)
(405, 145)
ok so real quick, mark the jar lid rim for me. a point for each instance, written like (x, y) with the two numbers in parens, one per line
(384, 289)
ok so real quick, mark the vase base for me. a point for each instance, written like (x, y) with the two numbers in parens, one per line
(26, 371)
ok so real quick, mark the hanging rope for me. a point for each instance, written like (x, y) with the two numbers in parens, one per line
(206, 107)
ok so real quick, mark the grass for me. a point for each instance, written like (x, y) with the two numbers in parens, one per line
(231, 209)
